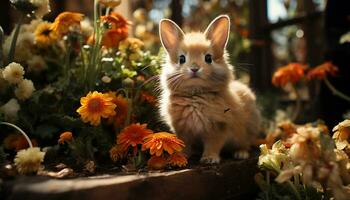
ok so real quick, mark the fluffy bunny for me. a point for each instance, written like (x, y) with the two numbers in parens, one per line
(200, 96)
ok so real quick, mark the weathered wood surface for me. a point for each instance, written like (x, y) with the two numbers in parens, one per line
(230, 180)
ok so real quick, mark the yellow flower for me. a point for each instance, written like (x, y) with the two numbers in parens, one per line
(133, 135)
(162, 141)
(342, 134)
(65, 137)
(13, 73)
(117, 153)
(29, 160)
(65, 21)
(157, 162)
(94, 106)
(122, 110)
(110, 3)
(44, 35)
(177, 160)
(273, 158)
(290, 73)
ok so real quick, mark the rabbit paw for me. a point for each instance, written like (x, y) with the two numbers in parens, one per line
(241, 154)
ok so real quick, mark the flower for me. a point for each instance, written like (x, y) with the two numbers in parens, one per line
(273, 158)
(305, 144)
(24, 89)
(65, 137)
(36, 64)
(140, 15)
(162, 141)
(42, 7)
(110, 3)
(122, 110)
(147, 97)
(44, 35)
(65, 21)
(342, 134)
(10, 109)
(320, 72)
(106, 79)
(29, 160)
(156, 162)
(94, 106)
(13, 73)
(132, 46)
(24, 46)
(17, 142)
(118, 30)
(292, 73)
(177, 160)
(133, 135)
(117, 153)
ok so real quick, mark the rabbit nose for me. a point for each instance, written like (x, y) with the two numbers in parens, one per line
(194, 69)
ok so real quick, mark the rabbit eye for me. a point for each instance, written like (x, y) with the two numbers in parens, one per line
(182, 59)
(208, 58)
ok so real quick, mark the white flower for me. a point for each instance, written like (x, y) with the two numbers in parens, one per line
(24, 89)
(345, 38)
(13, 73)
(36, 64)
(273, 158)
(10, 109)
(31, 27)
(24, 46)
(3, 82)
(29, 160)
(86, 27)
(43, 7)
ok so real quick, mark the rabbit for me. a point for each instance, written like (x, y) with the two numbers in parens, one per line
(200, 97)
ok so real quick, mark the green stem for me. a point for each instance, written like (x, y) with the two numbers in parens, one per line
(298, 104)
(20, 130)
(14, 40)
(129, 98)
(335, 91)
(294, 189)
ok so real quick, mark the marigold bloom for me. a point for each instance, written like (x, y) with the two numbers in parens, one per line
(117, 153)
(157, 162)
(65, 137)
(305, 144)
(44, 35)
(162, 141)
(147, 97)
(65, 21)
(320, 72)
(292, 73)
(133, 135)
(122, 110)
(29, 160)
(177, 160)
(94, 106)
(342, 134)
(118, 30)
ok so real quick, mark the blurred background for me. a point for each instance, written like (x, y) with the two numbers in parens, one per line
(266, 34)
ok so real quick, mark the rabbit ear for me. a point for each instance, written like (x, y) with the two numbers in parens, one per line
(170, 35)
(218, 32)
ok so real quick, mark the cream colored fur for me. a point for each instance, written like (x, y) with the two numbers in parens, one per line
(213, 105)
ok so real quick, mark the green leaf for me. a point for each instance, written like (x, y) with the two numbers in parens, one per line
(45, 131)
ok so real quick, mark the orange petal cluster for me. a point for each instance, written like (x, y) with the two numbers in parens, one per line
(290, 73)
(133, 135)
(322, 71)
(122, 110)
(65, 137)
(159, 142)
(65, 20)
(118, 30)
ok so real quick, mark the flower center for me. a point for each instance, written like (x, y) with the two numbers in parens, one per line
(95, 105)
(46, 32)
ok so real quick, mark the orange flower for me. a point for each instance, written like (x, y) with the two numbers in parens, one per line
(122, 110)
(177, 160)
(44, 35)
(65, 21)
(320, 72)
(156, 162)
(116, 153)
(17, 142)
(147, 97)
(133, 135)
(65, 137)
(292, 73)
(118, 30)
(162, 141)
(94, 106)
